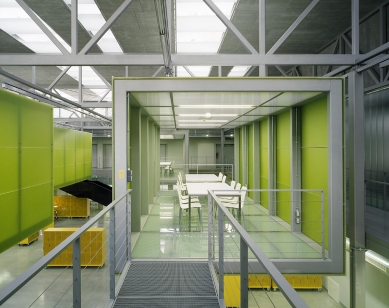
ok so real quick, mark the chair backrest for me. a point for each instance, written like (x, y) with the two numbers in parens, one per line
(238, 186)
(220, 175)
(224, 179)
(243, 196)
(232, 184)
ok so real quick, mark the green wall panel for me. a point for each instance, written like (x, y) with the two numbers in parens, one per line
(250, 167)
(314, 167)
(26, 166)
(72, 156)
(241, 159)
(283, 165)
(264, 161)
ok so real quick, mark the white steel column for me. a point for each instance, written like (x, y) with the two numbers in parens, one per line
(356, 160)
(120, 165)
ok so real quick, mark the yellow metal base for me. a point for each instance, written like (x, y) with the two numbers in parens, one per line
(30, 239)
(302, 282)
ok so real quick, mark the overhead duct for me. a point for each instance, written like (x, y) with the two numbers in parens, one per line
(163, 25)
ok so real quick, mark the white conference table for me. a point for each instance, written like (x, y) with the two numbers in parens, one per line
(202, 178)
(201, 189)
(165, 163)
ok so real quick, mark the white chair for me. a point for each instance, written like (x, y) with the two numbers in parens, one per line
(235, 203)
(184, 206)
(238, 186)
(224, 179)
(232, 184)
(186, 197)
(220, 176)
(183, 186)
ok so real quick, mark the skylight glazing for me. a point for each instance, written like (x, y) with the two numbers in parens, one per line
(199, 30)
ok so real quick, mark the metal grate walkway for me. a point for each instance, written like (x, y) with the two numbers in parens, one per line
(167, 284)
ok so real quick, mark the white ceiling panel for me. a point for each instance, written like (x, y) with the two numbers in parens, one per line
(212, 111)
(163, 118)
(159, 110)
(152, 99)
(248, 118)
(222, 98)
(291, 98)
(264, 111)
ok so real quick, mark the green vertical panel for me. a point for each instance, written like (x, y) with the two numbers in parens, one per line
(283, 165)
(145, 152)
(241, 158)
(36, 162)
(264, 161)
(250, 167)
(9, 169)
(88, 155)
(70, 156)
(59, 155)
(26, 166)
(80, 155)
(314, 167)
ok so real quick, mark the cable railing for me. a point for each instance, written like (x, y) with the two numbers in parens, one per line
(85, 268)
(234, 251)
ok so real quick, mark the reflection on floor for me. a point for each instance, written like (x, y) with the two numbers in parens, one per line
(161, 237)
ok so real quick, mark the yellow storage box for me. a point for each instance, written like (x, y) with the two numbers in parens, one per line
(259, 282)
(70, 206)
(232, 290)
(32, 238)
(93, 246)
(303, 282)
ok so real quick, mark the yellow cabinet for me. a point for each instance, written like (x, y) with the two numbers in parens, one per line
(232, 290)
(303, 282)
(93, 246)
(32, 238)
(259, 282)
(70, 206)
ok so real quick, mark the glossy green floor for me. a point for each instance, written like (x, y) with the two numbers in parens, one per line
(163, 237)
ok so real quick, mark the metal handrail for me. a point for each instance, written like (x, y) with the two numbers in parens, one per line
(31, 272)
(378, 182)
(290, 294)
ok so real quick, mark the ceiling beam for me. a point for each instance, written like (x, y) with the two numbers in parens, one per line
(106, 27)
(183, 59)
(42, 26)
(230, 27)
(102, 78)
(59, 77)
(293, 27)
(74, 26)
(189, 71)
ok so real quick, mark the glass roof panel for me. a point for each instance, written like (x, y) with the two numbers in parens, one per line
(199, 29)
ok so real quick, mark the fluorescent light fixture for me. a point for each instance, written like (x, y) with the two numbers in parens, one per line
(208, 115)
(204, 121)
(201, 115)
(166, 136)
(201, 125)
(232, 135)
(206, 135)
(217, 106)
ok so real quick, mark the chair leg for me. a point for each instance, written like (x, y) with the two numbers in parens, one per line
(201, 220)
(180, 217)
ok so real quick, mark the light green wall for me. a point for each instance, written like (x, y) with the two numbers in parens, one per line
(174, 150)
(314, 167)
(264, 160)
(241, 155)
(283, 165)
(72, 156)
(251, 155)
(26, 167)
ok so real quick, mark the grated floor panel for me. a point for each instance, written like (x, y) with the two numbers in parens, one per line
(167, 284)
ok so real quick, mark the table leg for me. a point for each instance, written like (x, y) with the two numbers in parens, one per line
(240, 210)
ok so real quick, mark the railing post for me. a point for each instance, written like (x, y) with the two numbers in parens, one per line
(244, 272)
(210, 228)
(112, 254)
(221, 253)
(76, 274)
(323, 248)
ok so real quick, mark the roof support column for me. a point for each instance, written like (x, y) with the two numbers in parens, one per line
(262, 35)
(74, 27)
(356, 158)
